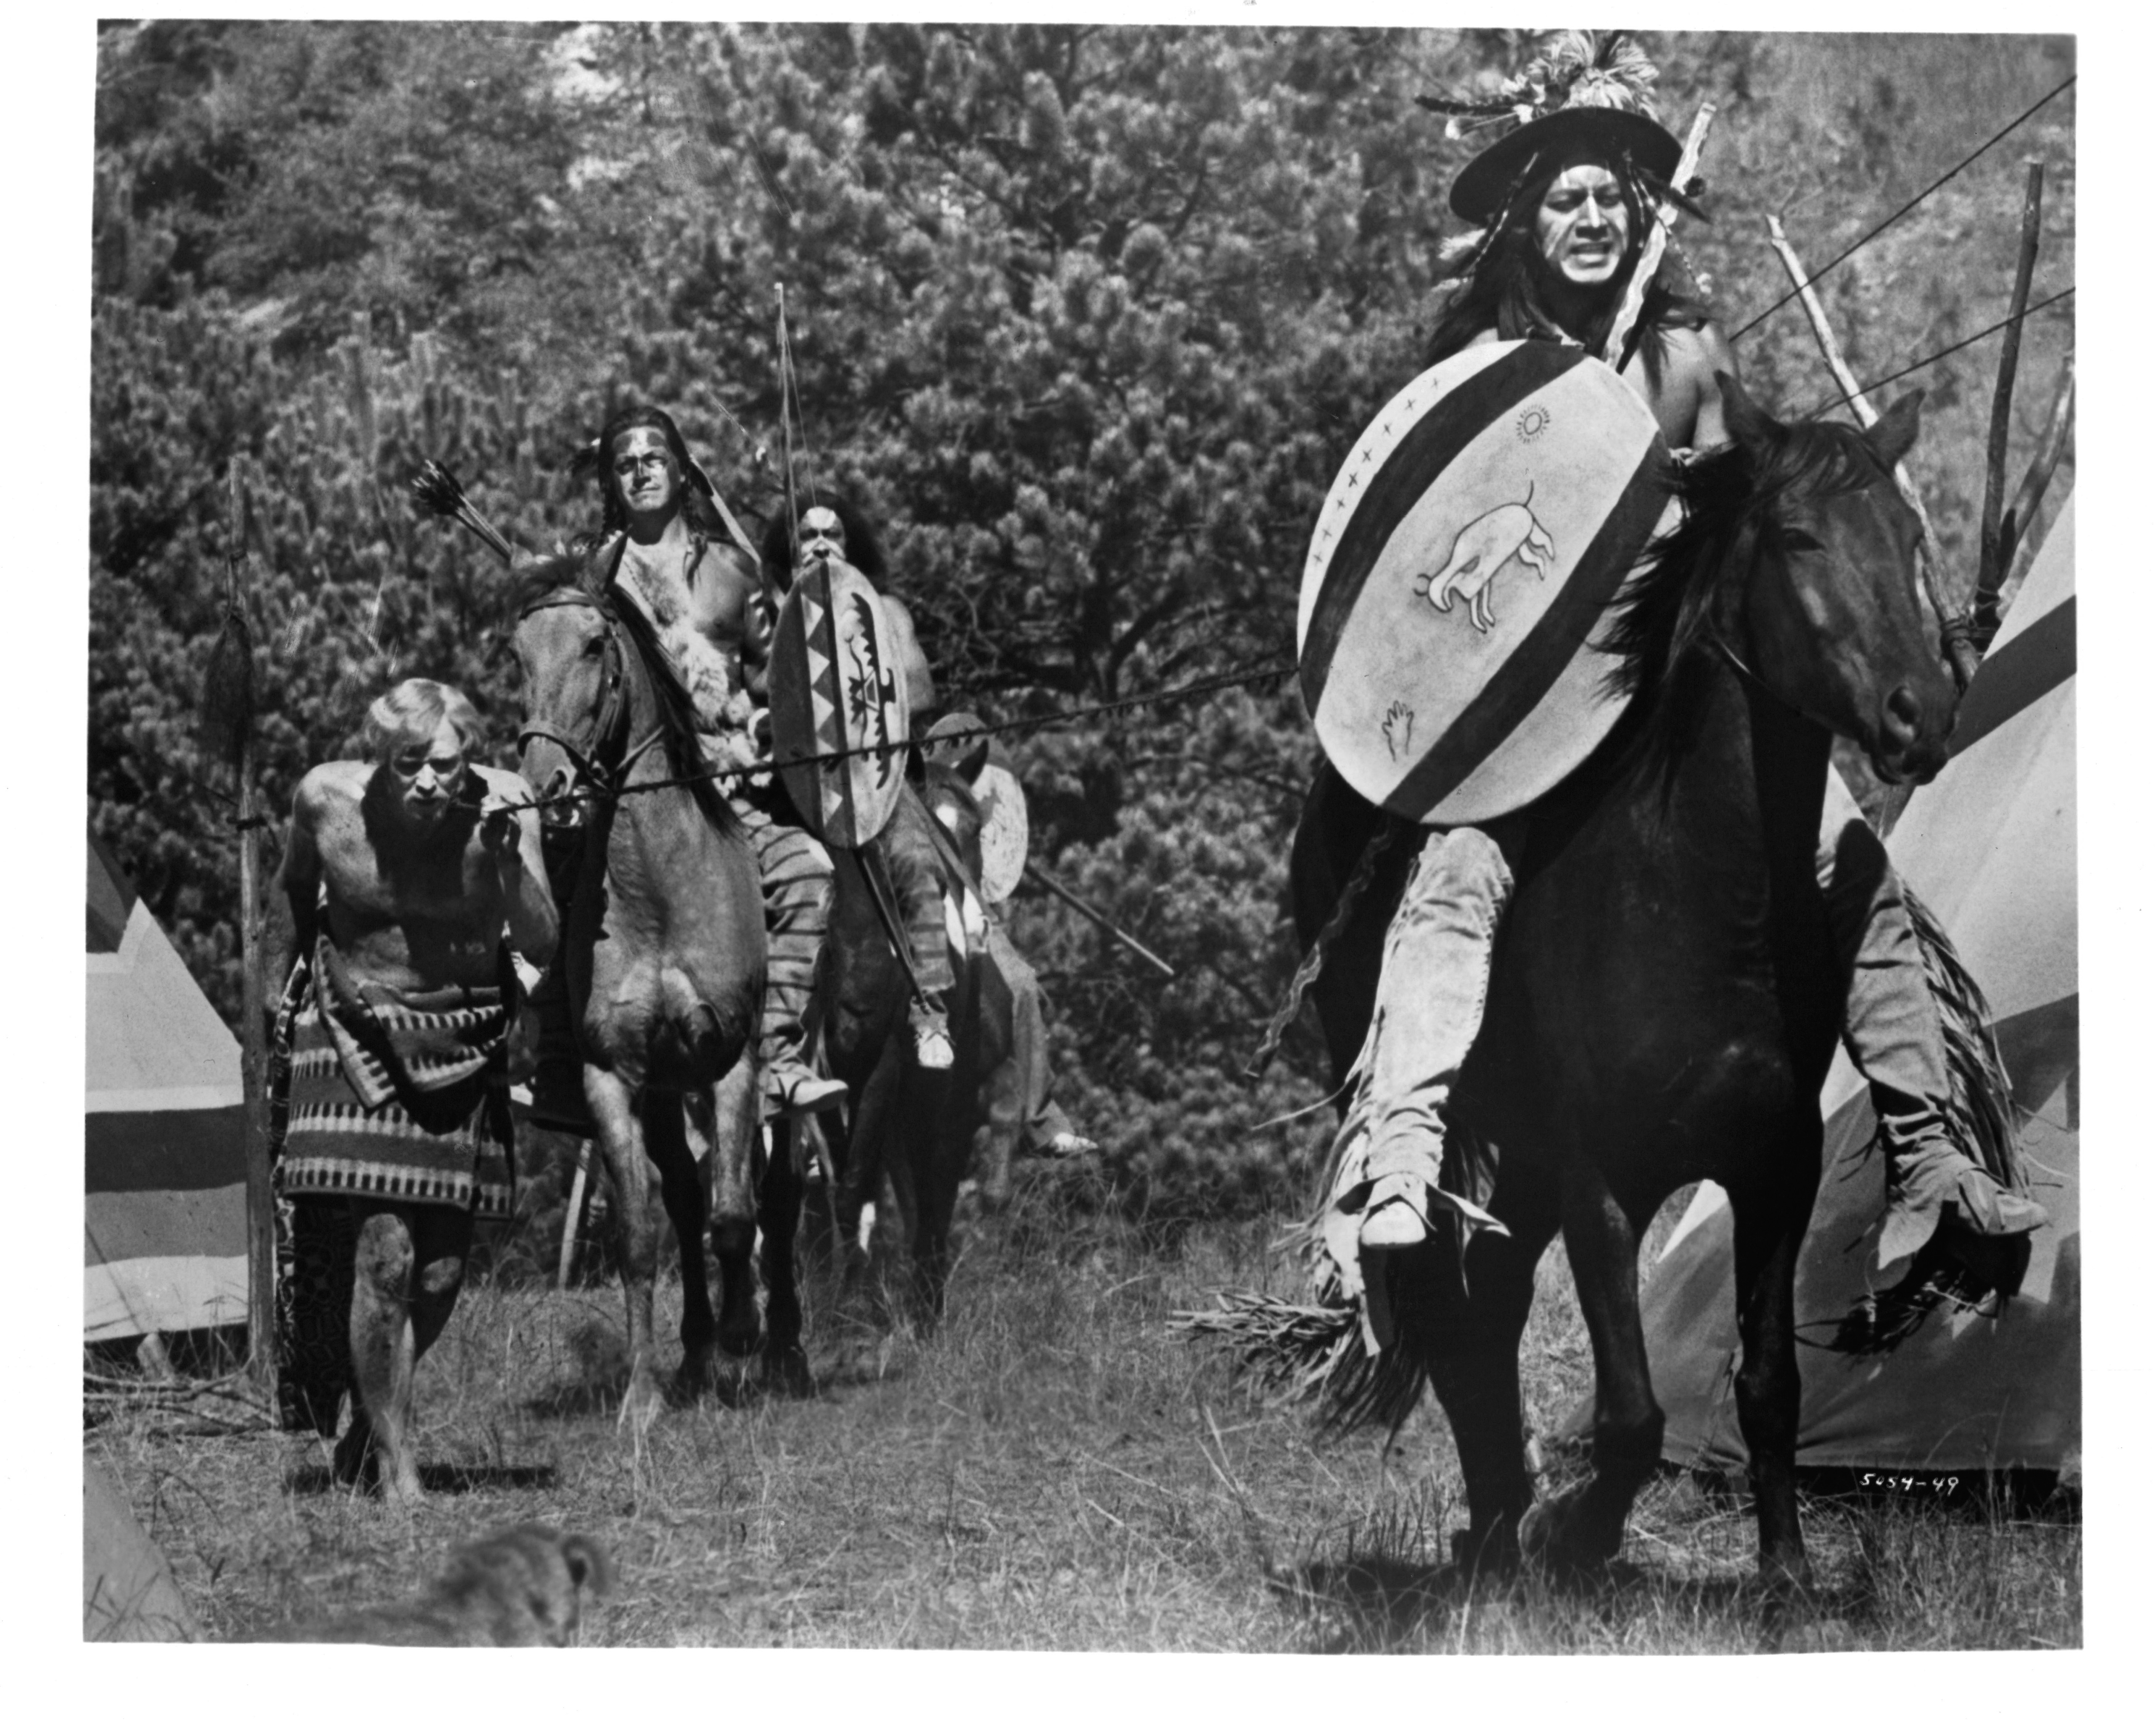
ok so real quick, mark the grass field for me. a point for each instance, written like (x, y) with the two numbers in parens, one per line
(1050, 1469)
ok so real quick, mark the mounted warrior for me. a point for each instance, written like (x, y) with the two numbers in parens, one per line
(1560, 209)
(660, 547)
(833, 530)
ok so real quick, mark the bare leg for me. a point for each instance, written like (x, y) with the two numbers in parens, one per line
(407, 1271)
(621, 1141)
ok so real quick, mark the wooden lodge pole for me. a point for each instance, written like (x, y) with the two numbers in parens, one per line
(1964, 652)
(262, 1357)
(2037, 479)
(573, 1224)
(1995, 553)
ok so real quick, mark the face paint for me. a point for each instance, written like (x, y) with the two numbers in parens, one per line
(646, 475)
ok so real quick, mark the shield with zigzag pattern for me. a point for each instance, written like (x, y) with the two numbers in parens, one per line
(838, 715)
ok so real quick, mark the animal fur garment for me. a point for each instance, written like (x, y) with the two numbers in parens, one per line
(524, 1587)
(724, 709)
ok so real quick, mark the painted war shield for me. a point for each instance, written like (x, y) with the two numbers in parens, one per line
(1004, 831)
(837, 688)
(1461, 572)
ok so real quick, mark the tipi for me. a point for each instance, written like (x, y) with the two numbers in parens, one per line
(1990, 846)
(165, 1208)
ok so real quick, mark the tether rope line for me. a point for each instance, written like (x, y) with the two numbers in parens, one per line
(1866, 240)
(1944, 352)
(1192, 690)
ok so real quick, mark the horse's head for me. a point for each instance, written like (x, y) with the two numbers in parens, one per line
(572, 687)
(1829, 614)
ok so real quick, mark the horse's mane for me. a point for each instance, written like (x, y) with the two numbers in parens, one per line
(1681, 597)
(1675, 611)
(531, 582)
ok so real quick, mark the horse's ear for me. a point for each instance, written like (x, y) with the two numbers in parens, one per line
(1895, 434)
(1748, 425)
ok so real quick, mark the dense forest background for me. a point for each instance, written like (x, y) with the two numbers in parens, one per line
(1085, 317)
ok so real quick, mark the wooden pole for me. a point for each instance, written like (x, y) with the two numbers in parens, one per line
(2038, 479)
(1959, 644)
(1100, 920)
(262, 1357)
(1995, 549)
(573, 1224)
(1658, 238)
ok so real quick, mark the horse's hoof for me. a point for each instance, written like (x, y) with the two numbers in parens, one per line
(785, 1369)
(356, 1463)
(1549, 1541)
(740, 1339)
(1490, 1557)
(698, 1373)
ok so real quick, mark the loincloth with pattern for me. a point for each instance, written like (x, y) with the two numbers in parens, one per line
(390, 1095)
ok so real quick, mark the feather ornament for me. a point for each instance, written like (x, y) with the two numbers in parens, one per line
(1570, 68)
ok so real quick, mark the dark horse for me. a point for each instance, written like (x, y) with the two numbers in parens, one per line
(664, 947)
(911, 1125)
(1664, 1000)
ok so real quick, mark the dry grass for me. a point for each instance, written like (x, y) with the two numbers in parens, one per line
(1049, 1471)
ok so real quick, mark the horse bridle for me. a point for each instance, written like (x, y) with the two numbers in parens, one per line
(584, 757)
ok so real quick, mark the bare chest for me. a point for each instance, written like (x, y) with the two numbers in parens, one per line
(423, 914)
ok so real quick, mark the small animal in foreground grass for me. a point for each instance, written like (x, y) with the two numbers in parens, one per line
(524, 1587)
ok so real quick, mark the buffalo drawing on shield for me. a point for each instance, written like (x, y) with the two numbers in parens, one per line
(1483, 549)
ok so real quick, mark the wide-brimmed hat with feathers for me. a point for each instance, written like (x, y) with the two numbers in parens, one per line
(1582, 90)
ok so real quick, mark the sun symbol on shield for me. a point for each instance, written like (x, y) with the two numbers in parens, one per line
(1532, 422)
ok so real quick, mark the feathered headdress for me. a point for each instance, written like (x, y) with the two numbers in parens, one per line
(1570, 68)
